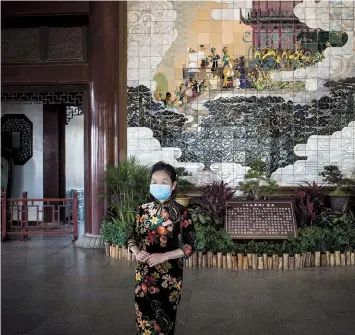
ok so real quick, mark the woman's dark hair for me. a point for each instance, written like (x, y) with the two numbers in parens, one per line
(167, 168)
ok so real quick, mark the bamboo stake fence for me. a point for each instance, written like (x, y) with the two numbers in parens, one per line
(253, 261)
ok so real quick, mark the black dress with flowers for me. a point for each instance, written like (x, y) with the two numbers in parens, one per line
(160, 228)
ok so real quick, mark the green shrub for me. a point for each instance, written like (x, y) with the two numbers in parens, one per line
(107, 230)
(127, 188)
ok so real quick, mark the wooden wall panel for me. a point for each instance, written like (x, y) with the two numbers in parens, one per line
(15, 8)
(44, 74)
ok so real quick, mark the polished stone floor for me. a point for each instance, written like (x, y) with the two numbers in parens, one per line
(50, 287)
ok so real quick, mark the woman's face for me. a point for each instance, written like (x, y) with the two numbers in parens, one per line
(162, 178)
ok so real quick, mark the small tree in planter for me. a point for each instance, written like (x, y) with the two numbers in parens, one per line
(340, 196)
(182, 185)
(257, 185)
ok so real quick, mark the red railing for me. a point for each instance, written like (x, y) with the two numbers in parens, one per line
(48, 216)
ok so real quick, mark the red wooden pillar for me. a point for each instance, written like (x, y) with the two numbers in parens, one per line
(105, 119)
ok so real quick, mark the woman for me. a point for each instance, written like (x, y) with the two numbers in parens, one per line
(163, 235)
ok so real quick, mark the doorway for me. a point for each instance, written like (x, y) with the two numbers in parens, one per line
(55, 168)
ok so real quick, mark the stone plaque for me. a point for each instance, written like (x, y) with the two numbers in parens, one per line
(261, 219)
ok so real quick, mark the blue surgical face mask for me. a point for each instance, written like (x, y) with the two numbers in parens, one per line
(160, 191)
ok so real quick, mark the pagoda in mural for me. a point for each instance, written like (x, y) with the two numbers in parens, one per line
(274, 24)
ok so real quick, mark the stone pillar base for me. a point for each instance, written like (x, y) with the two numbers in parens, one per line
(90, 241)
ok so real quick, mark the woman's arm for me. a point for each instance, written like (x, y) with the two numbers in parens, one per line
(155, 259)
(134, 240)
(187, 241)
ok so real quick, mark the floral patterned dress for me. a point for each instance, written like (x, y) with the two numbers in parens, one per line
(160, 228)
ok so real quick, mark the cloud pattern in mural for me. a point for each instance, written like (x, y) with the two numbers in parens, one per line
(151, 32)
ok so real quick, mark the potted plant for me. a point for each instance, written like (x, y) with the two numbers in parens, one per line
(257, 184)
(107, 232)
(339, 197)
(213, 202)
(127, 188)
(182, 185)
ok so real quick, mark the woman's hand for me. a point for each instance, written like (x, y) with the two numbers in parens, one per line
(155, 259)
(142, 256)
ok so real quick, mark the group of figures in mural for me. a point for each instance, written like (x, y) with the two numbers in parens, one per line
(215, 71)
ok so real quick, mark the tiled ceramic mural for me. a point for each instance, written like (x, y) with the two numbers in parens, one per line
(216, 84)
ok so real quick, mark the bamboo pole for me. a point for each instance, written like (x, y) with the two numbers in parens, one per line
(275, 262)
(250, 260)
(280, 265)
(235, 262)
(312, 260)
(303, 264)
(245, 263)
(260, 263)
(337, 258)
(125, 254)
(199, 258)
(254, 261)
(204, 260)
(194, 259)
(209, 258)
(327, 258)
(285, 261)
(240, 261)
(298, 261)
(111, 251)
(219, 259)
(214, 260)
(269, 262)
(317, 258)
(265, 261)
(229, 261)
(224, 259)
(323, 260)
(348, 258)
(291, 263)
(352, 258)
(342, 259)
(308, 259)
(332, 259)
(191, 261)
